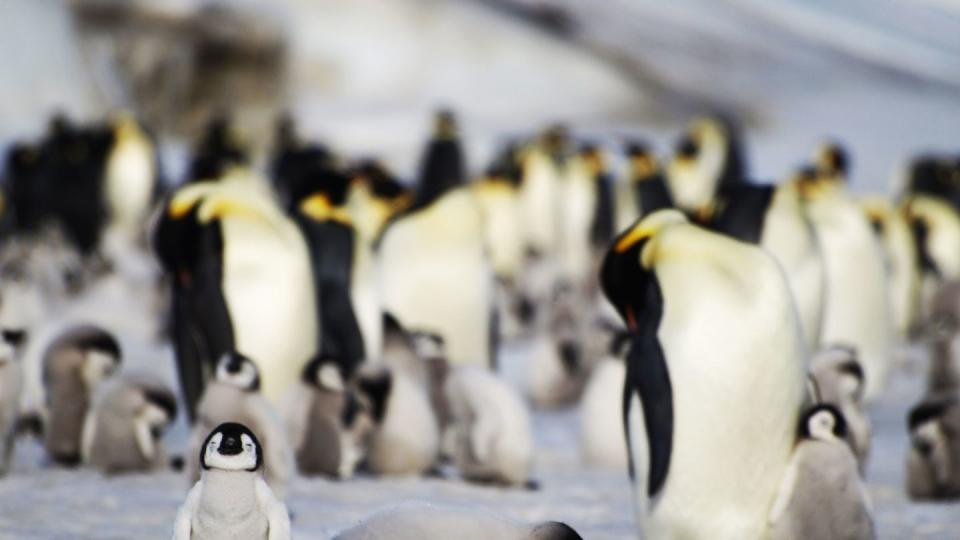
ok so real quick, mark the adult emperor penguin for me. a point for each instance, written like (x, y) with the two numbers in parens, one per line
(375, 196)
(837, 379)
(422, 521)
(936, 229)
(241, 280)
(326, 433)
(11, 381)
(124, 430)
(687, 296)
(231, 500)
(578, 202)
(932, 461)
(822, 496)
(891, 226)
(218, 150)
(708, 160)
(130, 178)
(233, 396)
(74, 366)
(435, 272)
(338, 255)
(489, 436)
(405, 438)
(857, 306)
(645, 189)
(542, 164)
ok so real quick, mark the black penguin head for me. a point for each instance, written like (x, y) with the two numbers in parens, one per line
(930, 410)
(823, 422)
(165, 408)
(554, 530)
(231, 447)
(643, 162)
(688, 148)
(102, 355)
(14, 337)
(218, 150)
(323, 373)
(372, 390)
(239, 371)
(445, 125)
(833, 161)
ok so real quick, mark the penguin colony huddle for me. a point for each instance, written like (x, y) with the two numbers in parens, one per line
(723, 337)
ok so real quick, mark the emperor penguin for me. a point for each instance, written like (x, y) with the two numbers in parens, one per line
(645, 189)
(578, 202)
(234, 396)
(241, 280)
(375, 196)
(124, 430)
(11, 382)
(542, 163)
(219, 149)
(936, 230)
(933, 460)
(75, 364)
(857, 306)
(892, 227)
(837, 379)
(435, 272)
(130, 177)
(822, 496)
(295, 163)
(231, 500)
(489, 436)
(423, 521)
(405, 439)
(327, 434)
(338, 255)
(708, 159)
(714, 334)
(934, 176)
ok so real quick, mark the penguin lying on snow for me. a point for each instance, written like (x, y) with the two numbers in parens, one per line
(698, 383)
(10, 385)
(326, 431)
(231, 500)
(933, 461)
(234, 396)
(74, 365)
(405, 439)
(822, 497)
(421, 521)
(124, 430)
(489, 436)
(837, 379)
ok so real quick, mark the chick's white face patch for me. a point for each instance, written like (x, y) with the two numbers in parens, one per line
(244, 378)
(245, 460)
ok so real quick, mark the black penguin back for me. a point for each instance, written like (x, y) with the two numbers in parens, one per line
(741, 211)
(442, 166)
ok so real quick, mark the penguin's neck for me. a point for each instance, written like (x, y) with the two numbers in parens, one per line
(229, 493)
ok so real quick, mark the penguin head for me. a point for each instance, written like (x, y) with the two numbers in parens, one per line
(823, 422)
(592, 157)
(11, 341)
(101, 356)
(323, 373)
(371, 389)
(160, 409)
(219, 150)
(231, 447)
(626, 275)
(642, 160)
(832, 161)
(428, 345)
(238, 371)
(843, 362)
(554, 530)
(930, 438)
(445, 125)
(556, 141)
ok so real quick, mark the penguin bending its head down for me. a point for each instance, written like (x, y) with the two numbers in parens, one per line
(124, 430)
(713, 335)
(10, 387)
(838, 379)
(74, 366)
(489, 435)
(822, 496)
(933, 461)
(234, 396)
(327, 434)
(421, 521)
(241, 280)
(405, 439)
(231, 500)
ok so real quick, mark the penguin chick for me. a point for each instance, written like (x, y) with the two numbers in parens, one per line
(124, 430)
(940, 330)
(431, 352)
(822, 496)
(405, 439)
(10, 384)
(421, 521)
(74, 365)
(602, 443)
(838, 379)
(234, 396)
(327, 435)
(231, 500)
(558, 371)
(932, 461)
(489, 437)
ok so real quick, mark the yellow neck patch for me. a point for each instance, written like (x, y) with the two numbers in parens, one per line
(318, 207)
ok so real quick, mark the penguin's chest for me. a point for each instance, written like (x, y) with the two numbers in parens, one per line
(228, 515)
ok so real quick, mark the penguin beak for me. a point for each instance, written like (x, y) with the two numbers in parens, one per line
(230, 446)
